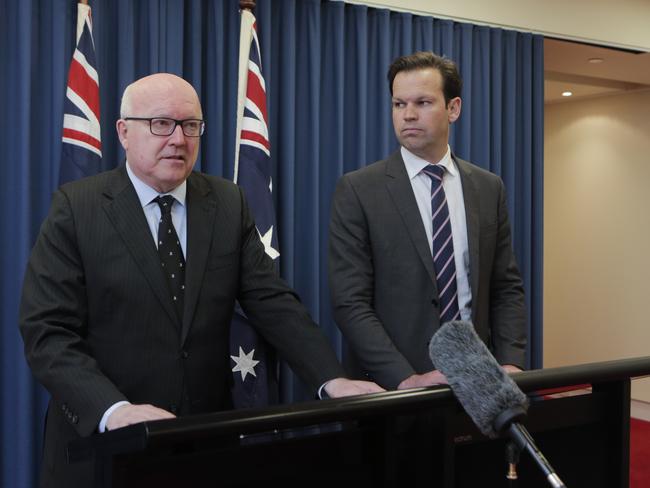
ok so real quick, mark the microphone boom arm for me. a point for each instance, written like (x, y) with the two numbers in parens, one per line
(520, 435)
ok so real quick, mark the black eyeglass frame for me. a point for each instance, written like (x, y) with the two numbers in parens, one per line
(176, 123)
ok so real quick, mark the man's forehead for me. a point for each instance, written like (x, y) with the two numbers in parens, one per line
(420, 74)
(163, 100)
(162, 105)
(417, 80)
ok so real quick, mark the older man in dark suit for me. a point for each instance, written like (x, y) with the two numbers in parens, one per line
(422, 238)
(132, 282)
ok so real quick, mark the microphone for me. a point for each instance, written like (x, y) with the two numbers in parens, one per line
(487, 393)
(482, 387)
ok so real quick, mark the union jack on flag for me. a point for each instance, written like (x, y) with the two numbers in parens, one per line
(254, 378)
(81, 151)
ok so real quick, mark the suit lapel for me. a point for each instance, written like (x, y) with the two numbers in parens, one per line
(401, 192)
(125, 212)
(201, 212)
(472, 207)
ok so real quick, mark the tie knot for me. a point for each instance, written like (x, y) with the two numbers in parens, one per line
(165, 203)
(434, 171)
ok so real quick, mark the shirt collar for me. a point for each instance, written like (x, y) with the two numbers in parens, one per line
(414, 164)
(146, 194)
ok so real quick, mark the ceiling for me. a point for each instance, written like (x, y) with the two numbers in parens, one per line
(567, 68)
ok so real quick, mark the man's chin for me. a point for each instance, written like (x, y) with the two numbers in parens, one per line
(173, 177)
(411, 145)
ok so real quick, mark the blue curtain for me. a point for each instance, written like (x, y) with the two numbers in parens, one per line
(325, 65)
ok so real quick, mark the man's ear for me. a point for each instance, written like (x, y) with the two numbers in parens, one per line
(453, 109)
(121, 128)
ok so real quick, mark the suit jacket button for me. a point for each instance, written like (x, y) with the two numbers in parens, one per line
(185, 354)
(75, 419)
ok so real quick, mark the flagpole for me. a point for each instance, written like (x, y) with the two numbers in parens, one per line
(245, 34)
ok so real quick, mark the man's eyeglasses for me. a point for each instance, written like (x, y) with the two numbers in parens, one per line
(162, 126)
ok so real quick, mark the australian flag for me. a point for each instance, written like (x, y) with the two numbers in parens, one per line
(81, 152)
(254, 365)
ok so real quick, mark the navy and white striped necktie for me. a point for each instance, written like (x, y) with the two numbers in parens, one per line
(443, 247)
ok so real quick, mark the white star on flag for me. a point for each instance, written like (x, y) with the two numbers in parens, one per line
(266, 240)
(244, 363)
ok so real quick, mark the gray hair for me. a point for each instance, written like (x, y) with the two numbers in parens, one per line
(127, 103)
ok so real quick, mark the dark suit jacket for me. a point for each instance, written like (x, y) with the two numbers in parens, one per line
(382, 279)
(99, 325)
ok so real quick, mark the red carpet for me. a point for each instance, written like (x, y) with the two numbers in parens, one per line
(639, 454)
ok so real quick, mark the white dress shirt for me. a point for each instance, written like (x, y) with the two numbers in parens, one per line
(151, 209)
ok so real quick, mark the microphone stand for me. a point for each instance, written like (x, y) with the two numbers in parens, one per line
(508, 422)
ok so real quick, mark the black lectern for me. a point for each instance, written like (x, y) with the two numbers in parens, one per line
(416, 438)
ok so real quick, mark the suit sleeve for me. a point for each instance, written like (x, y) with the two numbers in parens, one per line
(53, 323)
(277, 314)
(351, 282)
(507, 303)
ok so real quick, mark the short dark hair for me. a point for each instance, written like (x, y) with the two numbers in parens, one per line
(452, 83)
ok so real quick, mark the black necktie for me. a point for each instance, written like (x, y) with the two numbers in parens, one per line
(171, 253)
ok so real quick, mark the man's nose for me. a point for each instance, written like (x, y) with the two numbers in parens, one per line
(409, 112)
(177, 137)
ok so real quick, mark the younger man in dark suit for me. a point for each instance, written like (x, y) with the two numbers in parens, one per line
(422, 238)
(119, 331)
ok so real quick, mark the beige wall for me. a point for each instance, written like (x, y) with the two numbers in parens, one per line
(610, 22)
(597, 231)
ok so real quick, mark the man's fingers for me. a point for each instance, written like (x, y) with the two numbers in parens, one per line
(340, 387)
(133, 414)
